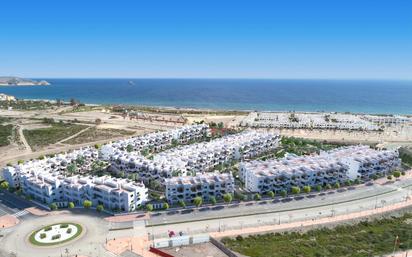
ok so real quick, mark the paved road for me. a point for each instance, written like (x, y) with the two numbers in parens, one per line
(370, 197)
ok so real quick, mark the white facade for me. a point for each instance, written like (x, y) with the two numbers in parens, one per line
(339, 165)
(203, 185)
(308, 121)
(4, 97)
(195, 158)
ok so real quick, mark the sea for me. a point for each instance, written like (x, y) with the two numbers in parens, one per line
(356, 96)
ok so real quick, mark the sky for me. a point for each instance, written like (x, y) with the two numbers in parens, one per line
(297, 39)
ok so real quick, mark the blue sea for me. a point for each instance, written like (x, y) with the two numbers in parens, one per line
(361, 96)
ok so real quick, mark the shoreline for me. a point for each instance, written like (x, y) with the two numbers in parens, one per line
(157, 108)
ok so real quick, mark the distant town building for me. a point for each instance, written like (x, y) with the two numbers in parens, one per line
(4, 97)
(294, 120)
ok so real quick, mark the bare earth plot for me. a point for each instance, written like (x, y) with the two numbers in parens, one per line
(95, 134)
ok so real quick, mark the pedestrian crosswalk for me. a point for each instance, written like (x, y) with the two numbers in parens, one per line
(20, 213)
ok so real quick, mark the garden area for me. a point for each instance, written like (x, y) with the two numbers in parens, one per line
(6, 132)
(95, 134)
(38, 138)
(373, 238)
(27, 105)
(55, 234)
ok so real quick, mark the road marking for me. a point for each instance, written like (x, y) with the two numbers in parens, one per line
(20, 213)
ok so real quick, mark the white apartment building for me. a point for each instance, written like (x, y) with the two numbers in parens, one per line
(205, 185)
(388, 119)
(51, 187)
(157, 141)
(339, 165)
(195, 158)
(294, 120)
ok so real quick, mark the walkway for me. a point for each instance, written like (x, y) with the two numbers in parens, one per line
(140, 245)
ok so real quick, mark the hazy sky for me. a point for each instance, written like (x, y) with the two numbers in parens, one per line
(207, 38)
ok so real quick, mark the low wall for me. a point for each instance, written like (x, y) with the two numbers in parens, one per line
(181, 241)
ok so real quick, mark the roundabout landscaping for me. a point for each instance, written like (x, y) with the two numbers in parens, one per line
(55, 234)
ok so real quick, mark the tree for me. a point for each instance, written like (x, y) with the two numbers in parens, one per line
(389, 177)
(4, 185)
(149, 207)
(212, 200)
(396, 173)
(337, 185)
(328, 186)
(318, 188)
(70, 205)
(100, 208)
(87, 204)
(129, 148)
(20, 162)
(307, 189)
(227, 198)
(71, 168)
(98, 121)
(198, 201)
(283, 193)
(182, 204)
(271, 194)
(53, 206)
(257, 197)
(166, 206)
(97, 146)
(295, 190)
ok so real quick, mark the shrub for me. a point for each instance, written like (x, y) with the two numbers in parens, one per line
(396, 174)
(283, 193)
(295, 190)
(182, 204)
(149, 207)
(337, 185)
(4, 185)
(87, 204)
(227, 198)
(55, 237)
(48, 228)
(389, 177)
(212, 200)
(70, 205)
(53, 206)
(403, 173)
(307, 189)
(64, 225)
(271, 194)
(318, 188)
(166, 206)
(43, 235)
(99, 208)
(198, 201)
(257, 197)
(69, 230)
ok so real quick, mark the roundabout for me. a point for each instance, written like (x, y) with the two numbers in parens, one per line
(55, 234)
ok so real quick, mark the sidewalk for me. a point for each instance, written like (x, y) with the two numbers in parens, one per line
(140, 245)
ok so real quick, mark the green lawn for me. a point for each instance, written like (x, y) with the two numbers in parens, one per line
(364, 239)
(38, 138)
(33, 240)
(5, 134)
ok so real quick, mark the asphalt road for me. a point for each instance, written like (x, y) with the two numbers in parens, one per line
(275, 212)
